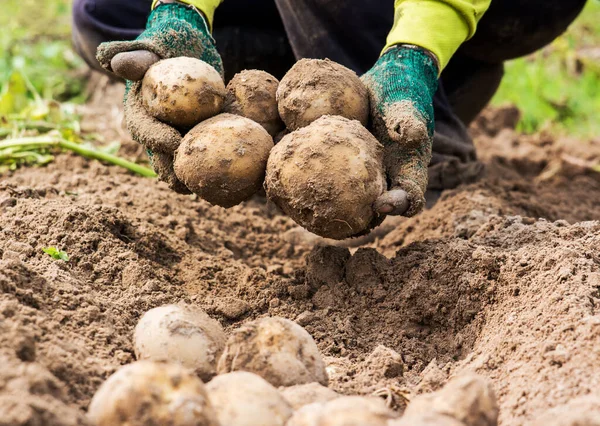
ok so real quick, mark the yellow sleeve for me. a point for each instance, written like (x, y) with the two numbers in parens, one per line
(439, 26)
(207, 7)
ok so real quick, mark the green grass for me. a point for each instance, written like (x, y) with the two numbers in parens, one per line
(558, 88)
(35, 41)
(41, 81)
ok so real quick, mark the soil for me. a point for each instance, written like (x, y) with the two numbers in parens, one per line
(500, 278)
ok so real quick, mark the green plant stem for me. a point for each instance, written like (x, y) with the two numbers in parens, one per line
(48, 141)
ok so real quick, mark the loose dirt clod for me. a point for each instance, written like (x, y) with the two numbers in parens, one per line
(151, 393)
(251, 94)
(277, 349)
(344, 411)
(223, 159)
(314, 87)
(182, 334)
(300, 395)
(245, 399)
(183, 91)
(327, 176)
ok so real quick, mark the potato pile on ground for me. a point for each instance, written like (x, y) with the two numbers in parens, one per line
(270, 373)
(327, 173)
(223, 157)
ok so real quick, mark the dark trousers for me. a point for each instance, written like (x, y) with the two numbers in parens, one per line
(272, 34)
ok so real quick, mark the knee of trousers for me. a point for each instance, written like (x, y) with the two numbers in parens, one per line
(514, 28)
(90, 29)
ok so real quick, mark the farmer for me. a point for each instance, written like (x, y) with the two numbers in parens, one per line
(425, 60)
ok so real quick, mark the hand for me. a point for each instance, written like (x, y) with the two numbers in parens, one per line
(401, 87)
(173, 30)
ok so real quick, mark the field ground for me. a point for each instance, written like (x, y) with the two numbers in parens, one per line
(500, 277)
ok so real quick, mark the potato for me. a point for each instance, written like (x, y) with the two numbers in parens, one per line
(183, 91)
(277, 349)
(426, 419)
(300, 395)
(344, 411)
(314, 87)
(181, 334)
(223, 159)
(469, 399)
(251, 94)
(151, 393)
(327, 176)
(245, 399)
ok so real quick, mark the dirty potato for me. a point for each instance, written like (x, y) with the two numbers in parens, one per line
(469, 399)
(152, 393)
(183, 91)
(223, 159)
(245, 399)
(300, 395)
(327, 176)
(344, 411)
(251, 94)
(182, 334)
(315, 87)
(277, 349)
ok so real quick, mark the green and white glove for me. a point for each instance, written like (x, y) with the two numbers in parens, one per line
(173, 30)
(401, 87)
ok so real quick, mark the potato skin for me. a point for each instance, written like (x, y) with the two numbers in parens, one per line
(245, 399)
(148, 393)
(277, 349)
(181, 334)
(315, 87)
(344, 411)
(326, 177)
(183, 91)
(251, 94)
(223, 159)
(300, 395)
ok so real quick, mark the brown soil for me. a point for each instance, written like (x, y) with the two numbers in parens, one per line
(500, 278)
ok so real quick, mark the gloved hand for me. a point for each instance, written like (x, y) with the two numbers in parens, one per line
(401, 87)
(173, 30)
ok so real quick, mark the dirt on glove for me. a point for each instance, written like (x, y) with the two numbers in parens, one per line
(499, 278)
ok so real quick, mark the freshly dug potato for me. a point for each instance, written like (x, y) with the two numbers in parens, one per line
(223, 159)
(426, 419)
(344, 411)
(469, 399)
(245, 399)
(183, 91)
(251, 94)
(277, 349)
(300, 395)
(182, 334)
(152, 393)
(327, 176)
(315, 87)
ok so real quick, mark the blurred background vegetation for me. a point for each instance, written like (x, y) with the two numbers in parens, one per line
(558, 88)
(41, 79)
(41, 82)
